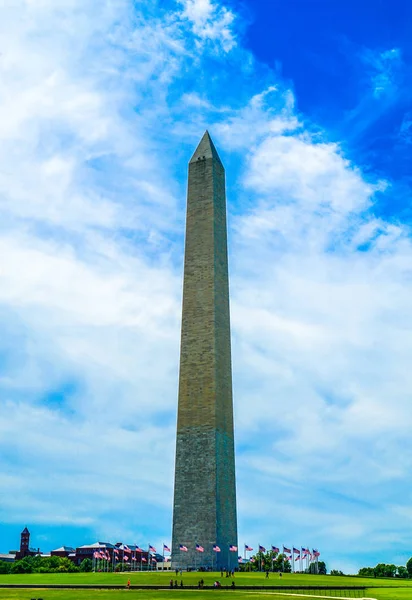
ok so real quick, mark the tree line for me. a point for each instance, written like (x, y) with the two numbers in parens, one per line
(271, 561)
(383, 570)
(41, 564)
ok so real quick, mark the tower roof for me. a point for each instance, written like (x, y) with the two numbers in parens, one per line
(205, 149)
(25, 530)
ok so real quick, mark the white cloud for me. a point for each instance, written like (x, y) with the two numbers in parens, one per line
(211, 22)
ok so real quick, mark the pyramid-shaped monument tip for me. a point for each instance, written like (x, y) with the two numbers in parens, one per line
(205, 149)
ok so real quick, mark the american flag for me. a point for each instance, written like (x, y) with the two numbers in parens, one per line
(252, 559)
(297, 558)
(239, 559)
(166, 548)
(152, 549)
(116, 557)
(286, 549)
(154, 559)
(138, 549)
(167, 558)
(316, 553)
(199, 548)
(183, 548)
(262, 549)
(144, 559)
(125, 557)
(133, 558)
(216, 548)
(275, 549)
(248, 548)
(126, 548)
(96, 554)
(232, 548)
(116, 551)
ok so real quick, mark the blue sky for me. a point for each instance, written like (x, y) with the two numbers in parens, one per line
(309, 104)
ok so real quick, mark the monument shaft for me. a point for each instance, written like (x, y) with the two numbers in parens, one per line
(205, 492)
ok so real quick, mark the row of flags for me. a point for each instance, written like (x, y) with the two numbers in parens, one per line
(200, 548)
(302, 553)
(106, 556)
(128, 554)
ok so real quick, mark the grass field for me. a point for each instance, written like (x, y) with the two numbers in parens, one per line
(153, 578)
(381, 589)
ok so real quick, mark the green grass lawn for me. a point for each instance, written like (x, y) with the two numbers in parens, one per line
(142, 595)
(382, 589)
(163, 578)
(134, 595)
(379, 593)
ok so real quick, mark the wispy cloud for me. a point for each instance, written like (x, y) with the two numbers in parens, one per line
(382, 83)
(386, 68)
(405, 131)
(211, 22)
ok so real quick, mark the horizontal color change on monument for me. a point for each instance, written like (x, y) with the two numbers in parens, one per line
(205, 489)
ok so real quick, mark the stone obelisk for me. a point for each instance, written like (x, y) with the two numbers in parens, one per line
(205, 489)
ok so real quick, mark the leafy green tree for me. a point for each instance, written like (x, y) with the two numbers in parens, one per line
(322, 567)
(319, 568)
(390, 570)
(22, 566)
(402, 572)
(367, 572)
(337, 573)
(282, 564)
(5, 567)
(409, 567)
(379, 570)
(40, 564)
(86, 565)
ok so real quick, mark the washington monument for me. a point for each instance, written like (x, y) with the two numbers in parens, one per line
(204, 511)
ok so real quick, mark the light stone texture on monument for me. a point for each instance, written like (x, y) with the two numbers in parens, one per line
(205, 490)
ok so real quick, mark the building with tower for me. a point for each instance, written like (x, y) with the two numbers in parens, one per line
(25, 549)
(204, 511)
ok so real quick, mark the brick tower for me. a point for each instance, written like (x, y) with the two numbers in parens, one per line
(205, 490)
(24, 543)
